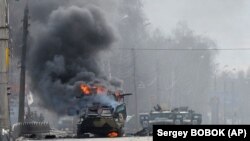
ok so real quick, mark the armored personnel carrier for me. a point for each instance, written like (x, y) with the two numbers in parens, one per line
(175, 116)
(103, 119)
(186, 116)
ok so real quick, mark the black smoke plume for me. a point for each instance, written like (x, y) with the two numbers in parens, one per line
(65, 54)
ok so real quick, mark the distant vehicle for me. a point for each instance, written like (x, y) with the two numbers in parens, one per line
(186, 116)
(196, 119)
(176, 116)
(144, 119)
(103, 120)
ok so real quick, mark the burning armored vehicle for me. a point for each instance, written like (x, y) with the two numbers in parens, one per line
(105, 116)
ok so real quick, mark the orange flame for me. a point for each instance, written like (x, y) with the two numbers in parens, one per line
(113, 134)
(100, 89)
(85, 89)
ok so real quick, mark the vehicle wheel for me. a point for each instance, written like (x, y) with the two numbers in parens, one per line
(121, 133)
(79, 133)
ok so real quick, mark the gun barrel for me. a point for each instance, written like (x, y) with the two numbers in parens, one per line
(126, 94)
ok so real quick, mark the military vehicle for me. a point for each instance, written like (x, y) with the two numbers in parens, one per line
(144, 120)
(196, 119)
(176, 116)
(186, 116)
(103, 119)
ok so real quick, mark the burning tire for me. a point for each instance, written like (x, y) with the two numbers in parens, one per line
(118, 133)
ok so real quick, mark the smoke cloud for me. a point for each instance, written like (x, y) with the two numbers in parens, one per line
(65, 54)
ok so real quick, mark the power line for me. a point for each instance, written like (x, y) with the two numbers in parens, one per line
(187, 49)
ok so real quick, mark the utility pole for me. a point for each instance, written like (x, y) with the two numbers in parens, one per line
(23, 64)
(135, 88)
(158, 91)
(4, 65)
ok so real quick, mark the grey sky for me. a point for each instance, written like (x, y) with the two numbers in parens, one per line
(226, 22)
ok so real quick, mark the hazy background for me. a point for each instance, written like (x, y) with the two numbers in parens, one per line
(224, 21)
(164, 53)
